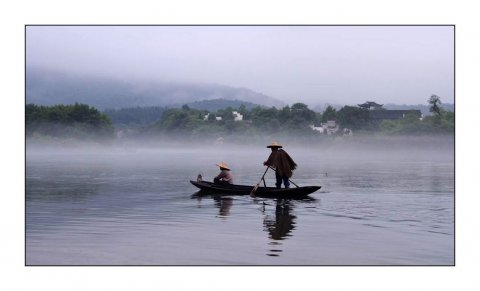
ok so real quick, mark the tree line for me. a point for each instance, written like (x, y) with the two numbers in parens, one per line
(135, 116)
(294, 119)
(441, 121)
(297, 120)
(74, 121)
(81, 120)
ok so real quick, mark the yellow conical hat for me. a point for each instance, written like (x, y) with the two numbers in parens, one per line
(223, 165)
(274, 145)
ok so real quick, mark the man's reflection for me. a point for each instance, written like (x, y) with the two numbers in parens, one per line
(224, 204)
(283, 223)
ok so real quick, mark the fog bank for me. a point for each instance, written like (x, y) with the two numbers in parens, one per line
(347, 147)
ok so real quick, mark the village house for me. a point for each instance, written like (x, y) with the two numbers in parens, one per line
(236, 116)
(329, 127)
(371, 105)
(218, 118)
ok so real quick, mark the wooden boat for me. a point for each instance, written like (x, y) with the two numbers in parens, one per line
(267, 192)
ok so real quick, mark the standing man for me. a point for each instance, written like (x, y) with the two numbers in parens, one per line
(282, 163)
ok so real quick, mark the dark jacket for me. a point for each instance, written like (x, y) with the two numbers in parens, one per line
(282, 162)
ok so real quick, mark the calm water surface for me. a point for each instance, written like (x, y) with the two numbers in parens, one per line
(136, 207)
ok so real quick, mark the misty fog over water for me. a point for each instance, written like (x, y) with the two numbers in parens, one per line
(382, 202)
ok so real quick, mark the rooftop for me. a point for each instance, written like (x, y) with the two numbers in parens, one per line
(370, 104)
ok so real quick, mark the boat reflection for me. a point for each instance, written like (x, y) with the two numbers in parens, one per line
(278, 223)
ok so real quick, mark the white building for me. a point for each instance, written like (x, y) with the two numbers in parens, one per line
(330, 127)
(317, 128)
(237, 116)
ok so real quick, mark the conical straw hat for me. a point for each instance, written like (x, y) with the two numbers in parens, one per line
(223, 165)
(274, 145)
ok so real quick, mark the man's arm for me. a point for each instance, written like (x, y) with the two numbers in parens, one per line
(269, 161)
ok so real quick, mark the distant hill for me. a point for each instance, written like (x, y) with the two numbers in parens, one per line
(46, 87)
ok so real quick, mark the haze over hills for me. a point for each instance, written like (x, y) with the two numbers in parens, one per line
(46, 87)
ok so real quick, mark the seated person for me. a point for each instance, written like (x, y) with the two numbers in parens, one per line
(225, 176)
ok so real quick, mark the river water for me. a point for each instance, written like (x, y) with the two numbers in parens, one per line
(135, 206)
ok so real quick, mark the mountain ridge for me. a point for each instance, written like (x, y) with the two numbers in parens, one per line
(48, 87)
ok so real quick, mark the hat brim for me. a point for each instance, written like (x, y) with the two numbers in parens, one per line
(274, 146)
(223, 167)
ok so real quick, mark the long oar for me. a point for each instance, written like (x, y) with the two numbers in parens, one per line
(288, 179)
(252, 193)
(293, 183)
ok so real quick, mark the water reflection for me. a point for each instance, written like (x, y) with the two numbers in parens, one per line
(279, 226)
(224, 204)
(282, 223)
(279, 220)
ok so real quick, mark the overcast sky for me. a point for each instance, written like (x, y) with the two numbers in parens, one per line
(311, 64)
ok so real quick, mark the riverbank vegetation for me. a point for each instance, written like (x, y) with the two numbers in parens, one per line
(296, 121)
(78, 121)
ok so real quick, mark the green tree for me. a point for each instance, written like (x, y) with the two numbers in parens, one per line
(354, 118)
(135, 116)
(284, 114)
(434, 102)
(329, 113)
(265, 119)
(411, 124)
(226, 114)
(242, 109)
(302, 112)
(78, 120)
